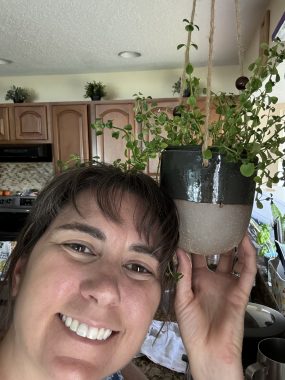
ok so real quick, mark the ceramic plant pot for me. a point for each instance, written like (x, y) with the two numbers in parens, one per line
(214, 203)
(95, 97)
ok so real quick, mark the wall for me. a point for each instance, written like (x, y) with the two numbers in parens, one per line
(120, 85)
(277, 8)
(24, 176)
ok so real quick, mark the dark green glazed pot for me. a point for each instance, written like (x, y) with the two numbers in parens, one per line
(214, 202)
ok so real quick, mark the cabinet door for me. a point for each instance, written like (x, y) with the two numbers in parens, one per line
(4, 124)
(70, 131)
(31, 124)
(108, 148)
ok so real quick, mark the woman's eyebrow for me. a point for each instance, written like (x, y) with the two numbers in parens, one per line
(81, 227)
(142, 248)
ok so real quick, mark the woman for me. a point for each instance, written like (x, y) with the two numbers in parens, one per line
(86, 277)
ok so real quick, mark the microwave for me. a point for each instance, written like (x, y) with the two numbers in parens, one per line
(26, 153)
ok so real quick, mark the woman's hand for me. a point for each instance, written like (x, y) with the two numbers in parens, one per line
(210, 308)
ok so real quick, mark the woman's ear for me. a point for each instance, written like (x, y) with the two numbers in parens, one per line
(18, 275)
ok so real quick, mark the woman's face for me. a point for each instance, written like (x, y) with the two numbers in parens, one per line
(86, 297)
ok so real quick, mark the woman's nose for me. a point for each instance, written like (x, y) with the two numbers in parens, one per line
(102, 287)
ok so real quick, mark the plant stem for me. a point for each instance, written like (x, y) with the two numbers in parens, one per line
(187, 52)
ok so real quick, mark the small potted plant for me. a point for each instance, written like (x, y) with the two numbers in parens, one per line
(262, 236)
(95, 90)
(212, 171)
(189, 87)
(17, 94)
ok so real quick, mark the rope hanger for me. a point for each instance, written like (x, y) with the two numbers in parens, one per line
(187, 53)
(210, 64)
(239, 41)
(209, 81)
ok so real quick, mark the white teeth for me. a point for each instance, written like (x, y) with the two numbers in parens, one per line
(107, 333)
(92, 333)
(82, 330)
(101, 334)
(74, 325)
(85, 331)
(68, 321)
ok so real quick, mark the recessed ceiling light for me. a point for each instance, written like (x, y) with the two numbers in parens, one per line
(129, 54)
(4, 61)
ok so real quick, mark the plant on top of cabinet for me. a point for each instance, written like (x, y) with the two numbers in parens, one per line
(95, 90)
(17, 94)
(191, 87)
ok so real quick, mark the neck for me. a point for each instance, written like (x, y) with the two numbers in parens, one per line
(12, 366)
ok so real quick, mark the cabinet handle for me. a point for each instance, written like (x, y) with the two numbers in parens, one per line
(2, 127)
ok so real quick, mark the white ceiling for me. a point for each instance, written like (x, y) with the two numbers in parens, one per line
(85, 36)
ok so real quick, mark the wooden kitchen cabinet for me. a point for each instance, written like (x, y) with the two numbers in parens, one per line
(4, 124)
(31, 124)
(24, 124)
(108, 148)
(122, 113)
(70, 131)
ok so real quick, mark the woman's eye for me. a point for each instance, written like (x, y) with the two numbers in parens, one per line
(79, 248)
(138, 268)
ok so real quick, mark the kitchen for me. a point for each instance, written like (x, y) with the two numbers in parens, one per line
(61, 94)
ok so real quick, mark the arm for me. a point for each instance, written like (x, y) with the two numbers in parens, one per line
(131, 372)
(210, 308)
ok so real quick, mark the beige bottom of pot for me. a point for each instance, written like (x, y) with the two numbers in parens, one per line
(209, 229)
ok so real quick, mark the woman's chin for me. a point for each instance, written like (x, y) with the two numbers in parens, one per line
(68, 368)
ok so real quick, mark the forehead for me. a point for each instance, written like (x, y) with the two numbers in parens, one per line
(124, 209)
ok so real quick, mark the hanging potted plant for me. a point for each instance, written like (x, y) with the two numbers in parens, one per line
(95, 90)
(17, 94)
(212, 168)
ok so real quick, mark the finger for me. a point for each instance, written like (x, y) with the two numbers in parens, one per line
(184, 284)
(248, 271)
(226, 263)
(199, 261)
(184, 264)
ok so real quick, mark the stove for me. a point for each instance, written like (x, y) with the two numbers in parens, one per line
(17, 202)
(13, 214)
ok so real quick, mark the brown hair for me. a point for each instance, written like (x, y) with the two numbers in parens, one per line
(158, 220)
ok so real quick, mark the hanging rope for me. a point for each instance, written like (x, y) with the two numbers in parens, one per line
(187, 54)
(209, 81)
(239, 41)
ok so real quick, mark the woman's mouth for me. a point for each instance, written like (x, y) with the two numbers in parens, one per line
(85, 331)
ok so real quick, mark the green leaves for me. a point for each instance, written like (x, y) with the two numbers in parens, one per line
(180, 46)
(207, 154)
(189, 69)
(192, 101)
(256, 83)
(247, 169)
(128, 127)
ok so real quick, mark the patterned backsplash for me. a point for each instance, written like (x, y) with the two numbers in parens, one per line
(23, 176)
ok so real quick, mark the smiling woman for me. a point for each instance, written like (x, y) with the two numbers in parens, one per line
(94, 250)
(86, 277)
